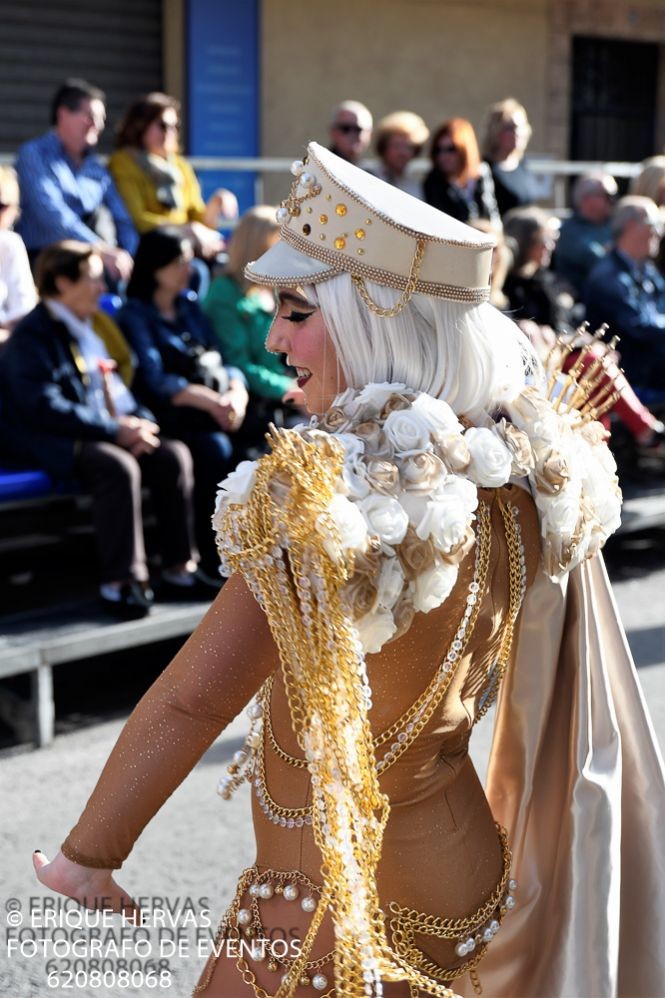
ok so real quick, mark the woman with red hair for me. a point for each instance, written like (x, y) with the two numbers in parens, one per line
(459, 183)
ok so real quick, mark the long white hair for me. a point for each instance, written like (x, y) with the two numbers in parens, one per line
(470, 355)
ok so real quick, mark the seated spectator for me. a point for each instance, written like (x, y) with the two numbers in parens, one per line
(650, 183)
(158, 185)
(585, 236)
(507, 134)
(241, 314)
(66, 409)
(502, 261)
(459, 183)
(534, 292)
(350, 130)
(66, 192)
(17, 288)
(180, 373)
(626, 290)
(400, 137)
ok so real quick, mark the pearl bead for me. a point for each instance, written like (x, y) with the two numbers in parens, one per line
(254, 890)
(244, 916)
(494, 926)
(239, 758)
(319, 982)
(512, 885)
(488, 936)
(291, 892)
(509, 901)
(470, 944)
(282, 215)
(255, 710)
(460, 949)
(308, 904)
(307, 179)
(297, 167)
(254, 739)
(266, 891)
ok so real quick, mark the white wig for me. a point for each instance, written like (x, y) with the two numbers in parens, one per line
(470, 355)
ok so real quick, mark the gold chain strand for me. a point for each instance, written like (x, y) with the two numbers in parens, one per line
(517, 589)
(454, 653)
(407, 294)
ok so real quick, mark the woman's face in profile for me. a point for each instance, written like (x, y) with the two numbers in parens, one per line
(514, 134)
(299, 331)
(161, 136)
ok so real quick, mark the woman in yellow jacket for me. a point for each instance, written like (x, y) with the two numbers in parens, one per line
(158, 185)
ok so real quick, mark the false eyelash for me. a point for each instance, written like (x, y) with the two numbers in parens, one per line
(297, 316)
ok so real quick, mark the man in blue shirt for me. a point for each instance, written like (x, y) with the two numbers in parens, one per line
(584, 238)
(66, 192)
(626, 290)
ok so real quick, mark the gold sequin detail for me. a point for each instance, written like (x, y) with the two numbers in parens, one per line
(323, 219)
(340, 209)
(340, 243)
(360, 233)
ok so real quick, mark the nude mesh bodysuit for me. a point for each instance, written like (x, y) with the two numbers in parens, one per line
(441, 854)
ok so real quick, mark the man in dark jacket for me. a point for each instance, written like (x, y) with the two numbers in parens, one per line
(65, 408)
(625, 290)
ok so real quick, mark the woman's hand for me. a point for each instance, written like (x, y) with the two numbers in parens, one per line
(232, 407)
(91, 887)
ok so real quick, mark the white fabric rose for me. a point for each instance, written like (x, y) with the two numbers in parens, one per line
(433, 586)
(561, 511)
(391, 582)
(374, 629)
(465, 491)
(354, 471)
(236, 487)
(445, 521)
(385, 517)
(491, 461)
(440, 417)
(375, 396)
(407, 431)
(350, 524)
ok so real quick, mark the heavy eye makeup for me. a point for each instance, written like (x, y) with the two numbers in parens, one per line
(293, 308)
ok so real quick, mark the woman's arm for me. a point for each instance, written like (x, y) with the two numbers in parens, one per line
(208, 682)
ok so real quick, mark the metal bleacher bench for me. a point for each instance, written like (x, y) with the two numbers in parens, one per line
(35, 642)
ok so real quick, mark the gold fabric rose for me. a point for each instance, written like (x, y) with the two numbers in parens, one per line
(552, 473)
(519, 446)
(455, 452)
(383, 476)
(403, 615)
(361, 594)
(395, 403)
(415, 555)
(370, 431)
(421, 472)
(335, 420)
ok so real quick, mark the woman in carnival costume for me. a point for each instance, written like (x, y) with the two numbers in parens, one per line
(430, 537)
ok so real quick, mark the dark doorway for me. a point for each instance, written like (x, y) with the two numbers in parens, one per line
(613, 99)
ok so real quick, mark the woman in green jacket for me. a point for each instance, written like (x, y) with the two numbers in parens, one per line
(241, 314)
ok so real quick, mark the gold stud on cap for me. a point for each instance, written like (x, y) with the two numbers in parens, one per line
(340, 209)
(360, 233)
(340, 243)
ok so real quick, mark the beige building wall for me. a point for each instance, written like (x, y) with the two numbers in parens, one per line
(437, 57)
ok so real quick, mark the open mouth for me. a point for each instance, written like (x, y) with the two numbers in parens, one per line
(303, 376)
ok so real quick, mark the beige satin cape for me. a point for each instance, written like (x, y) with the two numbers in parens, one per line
(577, 778)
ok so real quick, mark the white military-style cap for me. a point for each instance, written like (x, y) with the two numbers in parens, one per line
(341, 219)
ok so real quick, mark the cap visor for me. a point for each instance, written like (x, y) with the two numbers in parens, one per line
(283, 266)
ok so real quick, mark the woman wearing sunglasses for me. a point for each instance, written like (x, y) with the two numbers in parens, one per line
(158, 185)
(459, 183)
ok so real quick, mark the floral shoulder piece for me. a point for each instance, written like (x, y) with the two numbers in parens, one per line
(403, 505)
